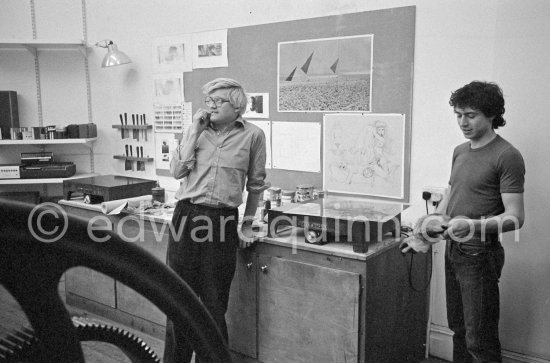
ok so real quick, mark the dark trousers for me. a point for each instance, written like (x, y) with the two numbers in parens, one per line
(205, 257)
(472, 272)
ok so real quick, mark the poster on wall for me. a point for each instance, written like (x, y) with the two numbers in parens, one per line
(321, 75)
(210, 49)
(172, 54)
(257, 106)
(364, 154)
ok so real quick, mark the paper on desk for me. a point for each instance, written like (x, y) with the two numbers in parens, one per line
(116, 206)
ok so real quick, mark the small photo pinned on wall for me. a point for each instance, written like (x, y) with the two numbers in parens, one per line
(168, 88)
(165, 144)
(257, 106)
(210, 49)
(172, 54)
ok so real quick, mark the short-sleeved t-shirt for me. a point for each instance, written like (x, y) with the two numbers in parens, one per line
(479, 177)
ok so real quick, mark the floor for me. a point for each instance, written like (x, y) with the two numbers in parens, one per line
(11, 318)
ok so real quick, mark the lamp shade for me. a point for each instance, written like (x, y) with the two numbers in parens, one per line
(114, 57)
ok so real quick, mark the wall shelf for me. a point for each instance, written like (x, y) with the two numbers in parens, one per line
(60, 46)
(51, 44)
(87, 141)
(45, 180)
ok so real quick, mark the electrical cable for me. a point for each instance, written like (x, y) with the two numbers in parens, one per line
(410, 274)
(406, 232)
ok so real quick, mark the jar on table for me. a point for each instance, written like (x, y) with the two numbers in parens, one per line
(304, 192)
(158, 194)
(287, 197)
(275, 196)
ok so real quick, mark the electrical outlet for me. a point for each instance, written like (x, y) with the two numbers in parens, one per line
(436, 193)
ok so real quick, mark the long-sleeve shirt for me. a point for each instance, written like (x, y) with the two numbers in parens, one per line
(222, 166)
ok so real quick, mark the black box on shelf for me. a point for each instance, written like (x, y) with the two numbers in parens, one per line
(72, 131)
(9, 115)
(83, 131)
(86, 131)
(92, 130)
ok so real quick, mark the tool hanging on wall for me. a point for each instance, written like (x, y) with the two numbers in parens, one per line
(126, 123)
(122, 128)
(127, 163)
(135, 131)
(143, 162)
(140, 117)
(140, 163)
(131, 155)
(145, 130)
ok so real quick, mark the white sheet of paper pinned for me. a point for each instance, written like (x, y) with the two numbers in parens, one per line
(296, 146)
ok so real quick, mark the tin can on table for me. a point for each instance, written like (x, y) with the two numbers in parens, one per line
(158, 194)
(304, 192)
(275, 196)
(287, 197)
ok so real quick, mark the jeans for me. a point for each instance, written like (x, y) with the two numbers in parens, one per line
(205, 262)
(472, 272)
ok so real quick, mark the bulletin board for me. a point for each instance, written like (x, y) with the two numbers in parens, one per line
(253, 53)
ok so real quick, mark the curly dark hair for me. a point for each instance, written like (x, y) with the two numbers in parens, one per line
(482, 96)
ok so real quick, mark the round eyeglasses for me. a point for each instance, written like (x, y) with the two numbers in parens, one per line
(209, 101)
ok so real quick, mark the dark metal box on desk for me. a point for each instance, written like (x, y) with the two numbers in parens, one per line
(110, 187)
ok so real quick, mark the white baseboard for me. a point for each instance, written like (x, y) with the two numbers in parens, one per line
(441, 342)
(512, 357)
(441, 346)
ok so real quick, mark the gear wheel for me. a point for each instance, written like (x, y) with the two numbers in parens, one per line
(31, 271)
(23, 347)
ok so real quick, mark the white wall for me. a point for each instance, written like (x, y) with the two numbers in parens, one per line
(456, 41)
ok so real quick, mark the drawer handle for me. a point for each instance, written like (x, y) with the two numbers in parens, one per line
(264, 269)
(249, 266)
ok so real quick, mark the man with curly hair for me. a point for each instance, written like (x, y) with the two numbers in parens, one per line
(484, 199)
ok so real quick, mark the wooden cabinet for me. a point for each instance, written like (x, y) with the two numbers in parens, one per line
(306, 313)
(241, 313)
(329, 304)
